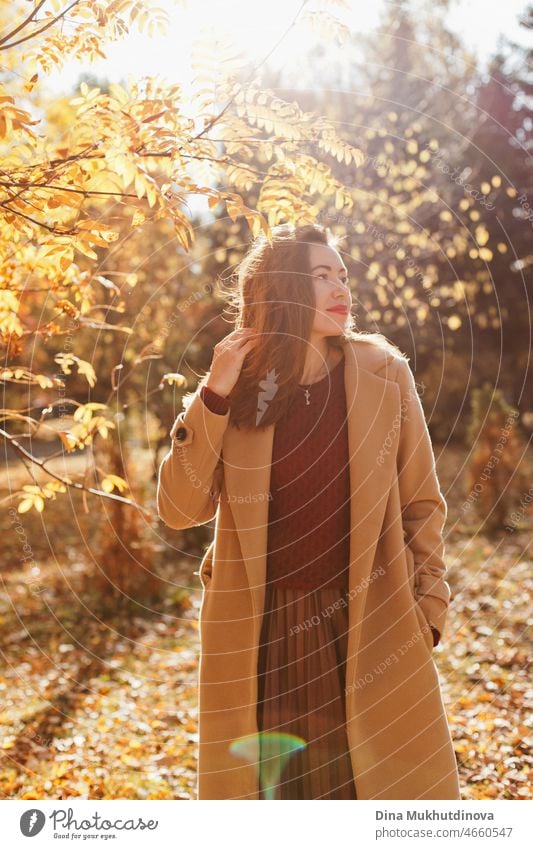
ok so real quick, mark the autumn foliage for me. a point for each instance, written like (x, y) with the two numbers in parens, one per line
(114, 160)
(109, 309)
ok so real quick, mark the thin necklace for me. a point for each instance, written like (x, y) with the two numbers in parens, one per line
(306, 386)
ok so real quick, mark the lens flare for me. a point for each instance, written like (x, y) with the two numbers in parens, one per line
(269, 752)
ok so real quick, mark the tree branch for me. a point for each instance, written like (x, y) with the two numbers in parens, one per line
(217, 118)
(23, 24)
(37, 31)
(86, 192)
(25, 455)
(71, 232)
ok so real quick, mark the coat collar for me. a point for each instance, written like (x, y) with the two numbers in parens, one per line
(373, 405)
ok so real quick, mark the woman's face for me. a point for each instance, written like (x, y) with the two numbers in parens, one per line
(331, 288)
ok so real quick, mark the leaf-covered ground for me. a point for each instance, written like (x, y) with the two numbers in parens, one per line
(106, 707)
(95, 709)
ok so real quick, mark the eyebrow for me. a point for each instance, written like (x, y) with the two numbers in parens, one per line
(329, 268)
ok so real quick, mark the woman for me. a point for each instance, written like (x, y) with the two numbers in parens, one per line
(323, 589)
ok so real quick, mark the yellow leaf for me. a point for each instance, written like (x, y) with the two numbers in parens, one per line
(85, 411)
(140, 185)
(68, 439)
(119, 93)
(25, 505)
(87, 370)
(84, 249)
(111, 481)
(44, 381)
(151, 194)
(174, 378)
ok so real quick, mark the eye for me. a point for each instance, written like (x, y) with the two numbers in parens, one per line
(324, 276)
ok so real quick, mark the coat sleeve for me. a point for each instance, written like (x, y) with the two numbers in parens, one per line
(424, 509)
(188, 485)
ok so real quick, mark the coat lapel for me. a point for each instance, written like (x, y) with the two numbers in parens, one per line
(372, 405)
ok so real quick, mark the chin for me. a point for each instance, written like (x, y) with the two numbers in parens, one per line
(331, 328)
(336, 330)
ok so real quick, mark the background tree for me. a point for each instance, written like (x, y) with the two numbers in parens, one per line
(72, 183)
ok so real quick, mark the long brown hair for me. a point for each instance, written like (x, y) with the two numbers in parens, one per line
(274, 296)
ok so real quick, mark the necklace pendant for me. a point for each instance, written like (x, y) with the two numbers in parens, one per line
(307, 401)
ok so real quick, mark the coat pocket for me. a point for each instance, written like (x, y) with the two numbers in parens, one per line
(206, 566)
(424, 626)
(410, 568)
(218, 481)
(427, 633)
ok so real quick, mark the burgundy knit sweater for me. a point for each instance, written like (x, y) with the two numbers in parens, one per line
(309, 505)
(309, 512)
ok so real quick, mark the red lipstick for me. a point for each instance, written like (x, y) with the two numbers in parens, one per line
(340, 309)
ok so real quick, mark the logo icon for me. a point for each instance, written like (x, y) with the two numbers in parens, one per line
(269, 389)
(32, 822)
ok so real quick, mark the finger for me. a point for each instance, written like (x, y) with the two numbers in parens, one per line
(250, 342)
(234, 336)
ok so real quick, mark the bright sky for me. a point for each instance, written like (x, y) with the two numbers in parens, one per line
(255, 27)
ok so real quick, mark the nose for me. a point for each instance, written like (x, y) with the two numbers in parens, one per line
(342, 289)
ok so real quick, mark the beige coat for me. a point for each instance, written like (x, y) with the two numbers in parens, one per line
(400, 743)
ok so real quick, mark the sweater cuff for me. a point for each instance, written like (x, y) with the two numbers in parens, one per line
(213, 401)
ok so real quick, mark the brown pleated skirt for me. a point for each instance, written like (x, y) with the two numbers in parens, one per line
(301, 678)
